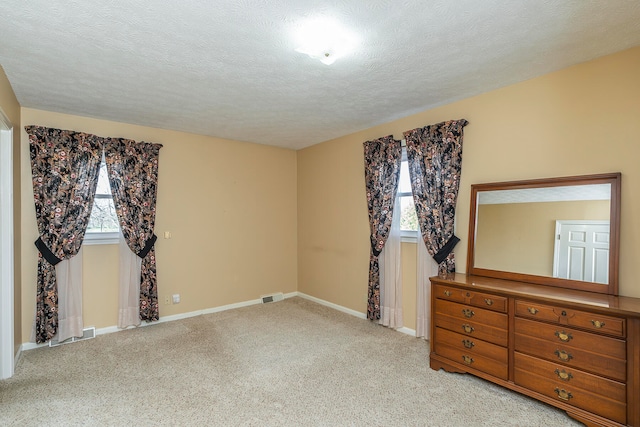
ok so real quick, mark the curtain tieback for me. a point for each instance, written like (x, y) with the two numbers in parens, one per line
(147, 247)
(446, 249)
(46, 252)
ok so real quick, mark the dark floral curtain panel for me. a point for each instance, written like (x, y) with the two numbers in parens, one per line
(435, 159)
(65, 167)
(133, 175)
(382, 158)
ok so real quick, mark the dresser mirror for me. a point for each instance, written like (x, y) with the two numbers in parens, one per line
(561, 232)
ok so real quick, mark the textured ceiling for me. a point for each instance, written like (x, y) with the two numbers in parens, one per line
(546, 194)
(228, 68)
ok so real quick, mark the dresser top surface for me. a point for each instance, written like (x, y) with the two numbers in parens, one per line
(622, 305)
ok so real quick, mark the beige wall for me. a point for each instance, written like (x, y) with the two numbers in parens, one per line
(231, 209)
(580, 120)
(519, 237)
(10, 107)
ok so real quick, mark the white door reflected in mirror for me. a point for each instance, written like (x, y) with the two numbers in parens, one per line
(582, 251)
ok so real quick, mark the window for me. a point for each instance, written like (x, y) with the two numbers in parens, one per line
(409, 218)
(103, 225)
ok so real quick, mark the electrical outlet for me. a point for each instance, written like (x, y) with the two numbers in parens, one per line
(167, 300)
(176, 298)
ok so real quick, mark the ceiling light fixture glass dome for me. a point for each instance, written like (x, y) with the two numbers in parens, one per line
(324, 39)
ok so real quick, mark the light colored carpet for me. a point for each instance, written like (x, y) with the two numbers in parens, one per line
(289, 363)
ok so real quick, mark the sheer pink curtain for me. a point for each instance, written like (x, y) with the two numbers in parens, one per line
(391, 313)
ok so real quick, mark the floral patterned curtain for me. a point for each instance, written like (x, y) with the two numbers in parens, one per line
(133, 176)
(382, 158)
(435, 160)
(65, 167)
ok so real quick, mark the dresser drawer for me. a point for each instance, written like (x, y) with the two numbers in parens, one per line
(476, 299)
(470, 313)
(483, 324)
(469, 345)
(565, 377)
(593, 362)
(473, 360)
(480, 331)
(573, 395)
(576, 318)
(572, 338)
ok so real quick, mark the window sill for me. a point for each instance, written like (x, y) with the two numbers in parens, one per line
(409, 236)
(101, 238)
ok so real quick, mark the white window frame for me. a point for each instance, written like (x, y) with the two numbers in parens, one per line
(106, 238)
(407, 236)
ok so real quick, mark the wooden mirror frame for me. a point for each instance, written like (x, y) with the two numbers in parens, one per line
(614, 243)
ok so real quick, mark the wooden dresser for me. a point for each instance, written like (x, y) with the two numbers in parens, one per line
(576, 350)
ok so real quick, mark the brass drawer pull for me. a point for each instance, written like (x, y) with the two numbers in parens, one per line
(488, 301)
(467, 328)
(468, 343)
(597, 324)
(532, 310)
(563, 336)
(468, 313)
(563, 355)
(467, 360)
(447, 293)
(563, 375)
(563, 394)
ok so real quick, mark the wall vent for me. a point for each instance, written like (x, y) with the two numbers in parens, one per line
(279, 296)
(87, 333)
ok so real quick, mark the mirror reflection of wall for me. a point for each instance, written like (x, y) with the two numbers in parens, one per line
(520, 237)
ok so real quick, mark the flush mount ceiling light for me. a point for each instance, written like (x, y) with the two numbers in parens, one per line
(324, 39)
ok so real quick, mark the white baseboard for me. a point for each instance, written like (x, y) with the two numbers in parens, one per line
(31, 345)
(111, 329)
(332, 305)
(355, 313)
(407, 331)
